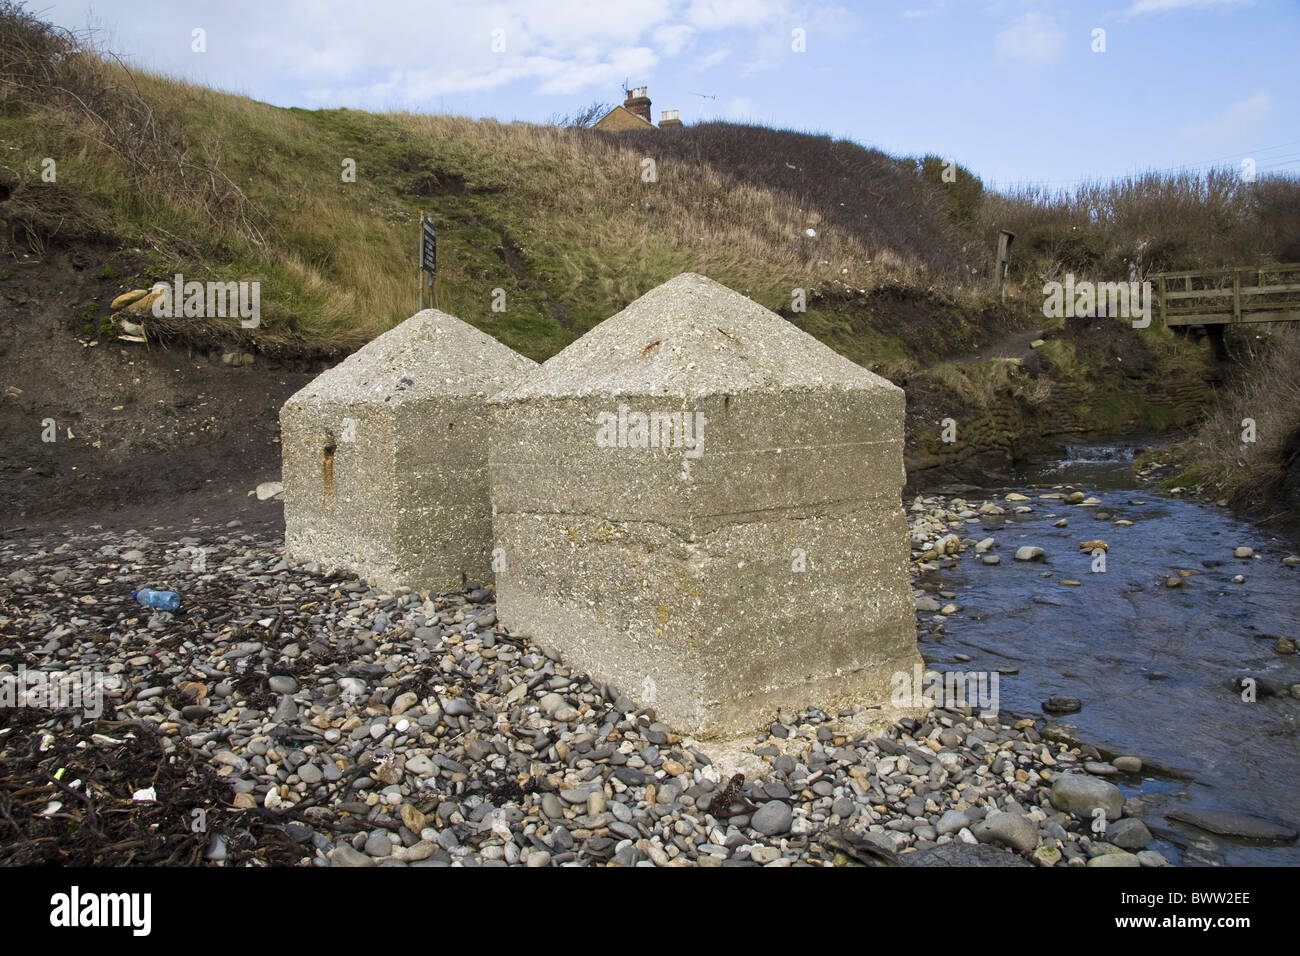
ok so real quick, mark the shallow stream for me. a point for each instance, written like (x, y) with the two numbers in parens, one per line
(1152, 665)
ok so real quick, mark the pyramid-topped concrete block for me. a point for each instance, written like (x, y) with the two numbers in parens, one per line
(385, 456)
(700, 503)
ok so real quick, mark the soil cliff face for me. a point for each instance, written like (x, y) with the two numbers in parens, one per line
(138, 432)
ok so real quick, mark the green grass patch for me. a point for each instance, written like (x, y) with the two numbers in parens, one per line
(1130, 411)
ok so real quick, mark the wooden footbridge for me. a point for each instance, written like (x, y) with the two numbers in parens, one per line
(1218, 297)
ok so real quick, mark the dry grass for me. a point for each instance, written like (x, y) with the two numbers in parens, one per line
(560, 219)
(895, 208)
(591, 187)
(57, 77)
(1267, 392)
(1035, 391)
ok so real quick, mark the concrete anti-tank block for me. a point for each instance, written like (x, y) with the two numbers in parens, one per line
(700, 503)
(385, 456)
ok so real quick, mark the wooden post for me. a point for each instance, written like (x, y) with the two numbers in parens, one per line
(1005, 238)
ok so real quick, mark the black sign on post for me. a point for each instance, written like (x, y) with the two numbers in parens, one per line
(428, 255)
(429, 249)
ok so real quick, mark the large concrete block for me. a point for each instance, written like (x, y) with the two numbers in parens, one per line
(385, 456)
(700, 503)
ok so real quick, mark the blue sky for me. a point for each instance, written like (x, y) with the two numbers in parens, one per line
(1011, 88)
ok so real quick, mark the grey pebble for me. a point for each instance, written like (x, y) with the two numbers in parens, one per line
(378, 844)
(283, 684)
(772, 818)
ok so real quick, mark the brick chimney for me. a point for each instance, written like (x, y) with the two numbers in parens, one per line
(639, 103)
(669, 120)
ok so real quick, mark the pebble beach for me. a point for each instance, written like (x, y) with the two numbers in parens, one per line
(399, 729)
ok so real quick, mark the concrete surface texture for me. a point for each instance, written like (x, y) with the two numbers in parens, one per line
(385, 456)
(700, 503)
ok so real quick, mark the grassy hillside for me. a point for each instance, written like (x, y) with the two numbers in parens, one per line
(222, 187)
(562, 220)
(156, 176)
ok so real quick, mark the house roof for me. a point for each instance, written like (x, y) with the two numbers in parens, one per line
(619, 118)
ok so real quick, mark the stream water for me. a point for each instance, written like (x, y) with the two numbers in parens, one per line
(1152, 665)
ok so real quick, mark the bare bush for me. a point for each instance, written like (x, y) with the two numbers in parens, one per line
(1266, 392)
(62, 76)
(883, 203)
(1149, 223)
(581, 118)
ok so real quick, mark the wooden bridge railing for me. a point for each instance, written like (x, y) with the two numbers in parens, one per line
(1224, 296)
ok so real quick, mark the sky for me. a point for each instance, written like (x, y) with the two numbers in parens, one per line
(1043, 93)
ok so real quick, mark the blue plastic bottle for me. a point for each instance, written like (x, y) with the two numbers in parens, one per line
(162, 600)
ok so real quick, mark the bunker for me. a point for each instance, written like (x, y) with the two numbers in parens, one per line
(385, 456)
(700, 504)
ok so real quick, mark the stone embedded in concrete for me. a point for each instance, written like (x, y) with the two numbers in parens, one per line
(741, 548)
(385, 456)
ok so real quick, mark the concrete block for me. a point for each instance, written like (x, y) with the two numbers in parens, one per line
(700, 503)
(385, 456)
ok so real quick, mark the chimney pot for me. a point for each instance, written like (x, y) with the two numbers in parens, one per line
(639, 103)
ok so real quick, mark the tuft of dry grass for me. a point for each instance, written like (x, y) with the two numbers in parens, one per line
(1035, 391)
(978, 383)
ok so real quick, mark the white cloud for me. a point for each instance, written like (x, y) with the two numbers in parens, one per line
(1164, 6)
(565, 77)
(1032, 39)
(741, 108)
(1238, 122)
(918, 13)
(726, 14)
(407, 53)
(773, 44)
(710, 60)
(671, 40)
